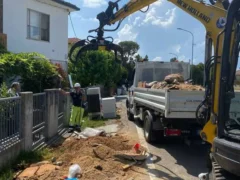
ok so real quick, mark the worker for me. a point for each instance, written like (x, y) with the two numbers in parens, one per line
(14, 90)
(77, 109)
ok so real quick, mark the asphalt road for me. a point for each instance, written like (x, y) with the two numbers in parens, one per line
(172, 159)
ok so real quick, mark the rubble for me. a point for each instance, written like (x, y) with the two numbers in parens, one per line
(95, 156)
(171, 82)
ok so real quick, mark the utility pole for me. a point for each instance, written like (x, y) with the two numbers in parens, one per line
(192, 48)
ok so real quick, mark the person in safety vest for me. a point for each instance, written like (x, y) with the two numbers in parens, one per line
(77, 109)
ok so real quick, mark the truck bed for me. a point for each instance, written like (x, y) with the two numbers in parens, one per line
(173, 103)
(178, 103)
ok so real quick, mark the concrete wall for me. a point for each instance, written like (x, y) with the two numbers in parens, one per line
(1, 16)
(15, 26)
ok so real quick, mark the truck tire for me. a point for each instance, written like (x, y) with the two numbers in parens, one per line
(148, 127)
(129, 114)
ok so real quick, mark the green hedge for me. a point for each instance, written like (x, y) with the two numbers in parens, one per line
(37, 73)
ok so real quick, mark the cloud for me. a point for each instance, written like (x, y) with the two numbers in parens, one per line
(158, 58)
(152, 18)
(126, 34)
(136, 20)
(94, 3)
(158, 3)
(81, 18)
(177, 48)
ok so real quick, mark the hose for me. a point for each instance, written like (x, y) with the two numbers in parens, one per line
(225, 3)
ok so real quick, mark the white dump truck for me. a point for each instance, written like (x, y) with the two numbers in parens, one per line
(165, 111)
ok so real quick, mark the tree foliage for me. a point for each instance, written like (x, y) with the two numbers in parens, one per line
(4, 90)
(129, 48)
(35, 71)
(198, 73)
(97, 67)
(173, 59)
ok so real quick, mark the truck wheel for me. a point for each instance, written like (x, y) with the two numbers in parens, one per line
(130, 115)
(148, 128)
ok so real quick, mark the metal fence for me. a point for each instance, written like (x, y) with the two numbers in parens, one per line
(39, 119)
(10, 122)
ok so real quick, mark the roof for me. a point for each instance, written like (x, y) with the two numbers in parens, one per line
(67, 4)
(73, 40)
(238, 73)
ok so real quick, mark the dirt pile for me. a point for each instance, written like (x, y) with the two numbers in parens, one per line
(172, 82)
(95, 156)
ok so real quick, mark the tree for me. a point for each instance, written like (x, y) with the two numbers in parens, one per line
(97, 67)
(173, 59)
(146, 58)
(130, 48)
(198, 73)
(138, 58)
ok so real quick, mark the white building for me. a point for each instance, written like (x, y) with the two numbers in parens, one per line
(38, 26)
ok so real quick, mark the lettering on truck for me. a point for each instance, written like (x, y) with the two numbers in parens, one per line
(194, 11)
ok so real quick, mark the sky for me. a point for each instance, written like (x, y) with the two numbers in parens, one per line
(155, 31)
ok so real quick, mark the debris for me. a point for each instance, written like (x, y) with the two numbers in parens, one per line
(29, 172)
(54, 159)
(125, 167)
(173, 82)
(59, 163)
(95, 156)
(95, 145)
(102, 152)
(44, 168)
(174, 77)
(98, 167)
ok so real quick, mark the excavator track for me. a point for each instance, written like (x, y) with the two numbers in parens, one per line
(220, 174)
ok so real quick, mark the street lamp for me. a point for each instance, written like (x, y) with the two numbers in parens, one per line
(174, 55)
(192, 47)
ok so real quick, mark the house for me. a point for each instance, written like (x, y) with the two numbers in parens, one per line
(37, 26)
(72, 41)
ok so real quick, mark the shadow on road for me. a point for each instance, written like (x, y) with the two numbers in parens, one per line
(193, 158)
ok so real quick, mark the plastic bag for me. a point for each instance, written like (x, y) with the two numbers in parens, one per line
(90, 132)
(74, 170)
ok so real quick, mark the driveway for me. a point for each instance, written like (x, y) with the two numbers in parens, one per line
(170, 160)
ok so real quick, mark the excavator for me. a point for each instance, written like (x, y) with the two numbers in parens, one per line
(221, 20)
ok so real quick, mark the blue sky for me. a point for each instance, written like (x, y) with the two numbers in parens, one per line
(155, 31)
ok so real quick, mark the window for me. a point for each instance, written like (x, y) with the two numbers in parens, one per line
(38, 26)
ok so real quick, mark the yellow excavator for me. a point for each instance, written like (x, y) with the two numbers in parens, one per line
(220, 19)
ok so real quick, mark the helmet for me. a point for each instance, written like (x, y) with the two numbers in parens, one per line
(77, 85)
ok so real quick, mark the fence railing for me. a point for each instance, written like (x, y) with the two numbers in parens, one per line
(29, 121)
(10, 122)
(39, 119)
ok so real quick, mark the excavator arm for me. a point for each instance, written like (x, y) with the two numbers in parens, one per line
(212, 16)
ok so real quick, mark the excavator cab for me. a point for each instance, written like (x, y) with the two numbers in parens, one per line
(226, 147)
(99, 42)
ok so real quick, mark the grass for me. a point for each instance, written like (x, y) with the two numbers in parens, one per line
(93, 123)
(23, 160)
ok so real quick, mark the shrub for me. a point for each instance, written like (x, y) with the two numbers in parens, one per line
(3, 90)
(96, 67)
(36, 72)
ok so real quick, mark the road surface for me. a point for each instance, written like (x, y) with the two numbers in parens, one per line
(170, 160)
